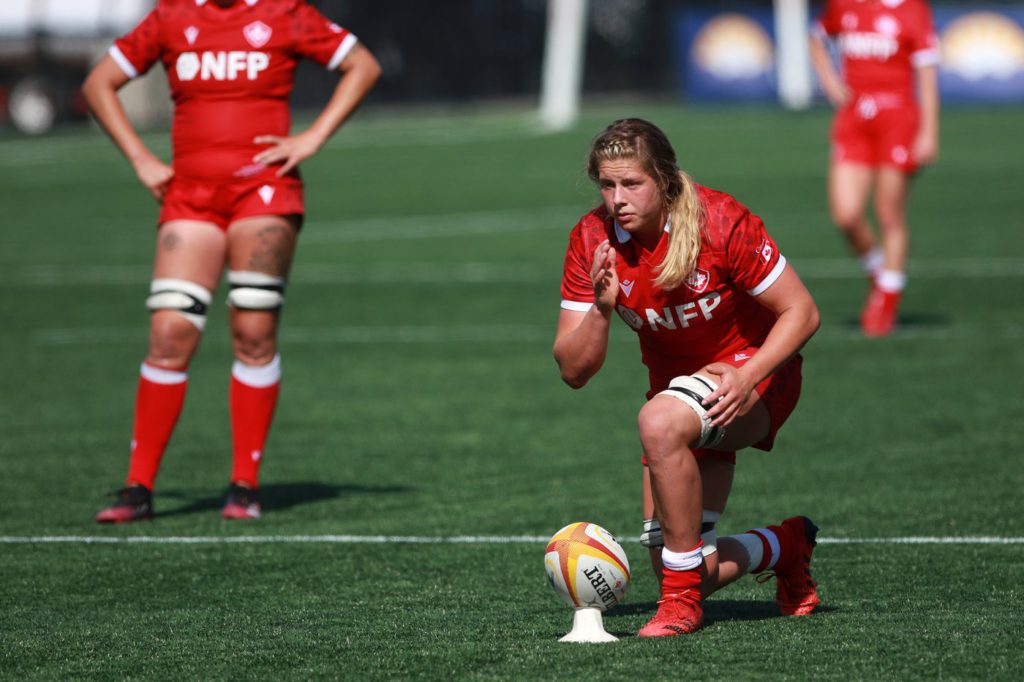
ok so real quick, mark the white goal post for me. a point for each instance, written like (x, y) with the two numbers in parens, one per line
(793, 58)
(562, 74)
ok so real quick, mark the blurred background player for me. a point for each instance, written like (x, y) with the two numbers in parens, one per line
(232, 198)
(721, 318)
(881, 134)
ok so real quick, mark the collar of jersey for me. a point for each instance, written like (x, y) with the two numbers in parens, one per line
(200, 3)
(624, 236)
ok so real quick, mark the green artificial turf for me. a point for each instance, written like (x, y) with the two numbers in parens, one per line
(420, 399)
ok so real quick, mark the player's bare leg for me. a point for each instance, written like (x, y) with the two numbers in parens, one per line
(879, 315)
(263, 245)
(193, 251)
(260, 257)
(189, 259)
(792, 542)
(849, 188)
(667, 429)
(716, 483)
(891, 188)
(716, 480)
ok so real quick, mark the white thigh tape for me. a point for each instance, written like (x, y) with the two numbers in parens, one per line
(692, 390)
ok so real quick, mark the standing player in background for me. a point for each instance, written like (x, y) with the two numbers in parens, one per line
(232, 198)
(721, 318)
(882, 133)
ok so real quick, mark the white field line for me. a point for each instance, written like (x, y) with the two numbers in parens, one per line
(481, 272)
(437, 540)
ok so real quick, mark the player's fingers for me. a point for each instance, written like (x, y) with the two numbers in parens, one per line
(291, 163)
(716, 369)
(267, 139)
(717, 406)
(272, 155)
(719, 394)
(722, 413)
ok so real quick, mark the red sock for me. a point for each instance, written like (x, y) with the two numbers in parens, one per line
(254, 393)
(158, 401)
(687, 579)
(674, 582)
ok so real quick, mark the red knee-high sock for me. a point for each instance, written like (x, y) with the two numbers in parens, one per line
(158, 402)
(772, 541)
(254, 391)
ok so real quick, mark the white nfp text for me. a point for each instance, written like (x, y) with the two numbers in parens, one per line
(676, 317)
(221, 66)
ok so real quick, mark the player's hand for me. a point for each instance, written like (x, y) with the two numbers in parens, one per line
(288, 151)
(926, 148)
(154, 174)
(604, 277)
(732, 398)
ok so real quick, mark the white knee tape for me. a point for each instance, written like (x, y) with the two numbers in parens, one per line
(188, 299)
(255, 290)
(707, 531)
(651, 537)
(692, 390)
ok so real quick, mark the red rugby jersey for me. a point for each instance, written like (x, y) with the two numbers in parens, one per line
(881, 42)
(231, 71)
(711, 315)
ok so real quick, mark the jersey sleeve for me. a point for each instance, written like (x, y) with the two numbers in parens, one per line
(924, 43)
(828, 23)
(319, 39)
(577, 289)
(137, 51)
(754, 259)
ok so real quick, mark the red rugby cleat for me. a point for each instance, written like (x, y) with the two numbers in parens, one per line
(797, 593)
(240, 503)
(878, 318)
(678, 613)
(134, 503)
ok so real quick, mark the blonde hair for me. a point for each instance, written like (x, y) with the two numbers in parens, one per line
(645, 143)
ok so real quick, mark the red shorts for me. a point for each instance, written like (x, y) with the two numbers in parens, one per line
(222, 203)
(779, 393)
(874, 131)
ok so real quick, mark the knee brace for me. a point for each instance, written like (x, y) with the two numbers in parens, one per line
(692, 390)
(255, 290)
(188, 299)
(708, 534)
(652, 538)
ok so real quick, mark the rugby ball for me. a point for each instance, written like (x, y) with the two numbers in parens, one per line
(586, 566)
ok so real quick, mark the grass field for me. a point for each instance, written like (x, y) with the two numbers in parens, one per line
(420, 399)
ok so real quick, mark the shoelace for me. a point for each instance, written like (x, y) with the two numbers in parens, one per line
(678, 597)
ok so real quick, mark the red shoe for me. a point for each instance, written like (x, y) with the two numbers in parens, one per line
(134, 503)
(679, 613)
(797, 593)
(240, 504)
(879, 314)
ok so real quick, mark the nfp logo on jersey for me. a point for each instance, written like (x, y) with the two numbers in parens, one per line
(221, 66)
(677, 317)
